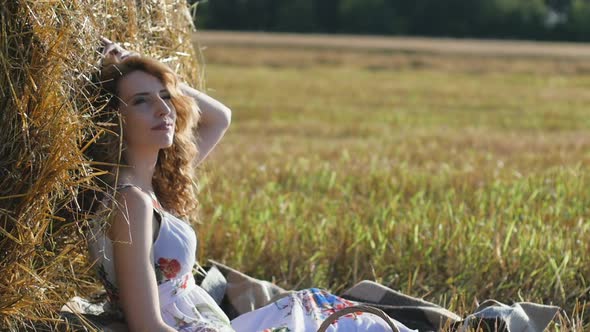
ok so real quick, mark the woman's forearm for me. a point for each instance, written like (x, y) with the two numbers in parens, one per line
(212, 111)
(214, 120)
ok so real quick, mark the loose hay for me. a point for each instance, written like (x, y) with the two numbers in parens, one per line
(47, 51)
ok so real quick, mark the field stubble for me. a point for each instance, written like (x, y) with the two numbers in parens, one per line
(453, 178)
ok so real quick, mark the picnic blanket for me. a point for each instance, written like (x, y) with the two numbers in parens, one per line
(237, 293)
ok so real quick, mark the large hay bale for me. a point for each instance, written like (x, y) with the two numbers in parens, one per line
(47, 51)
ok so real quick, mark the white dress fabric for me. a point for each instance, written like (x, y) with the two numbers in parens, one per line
(187, 307)
(183, 304)
(305, 310)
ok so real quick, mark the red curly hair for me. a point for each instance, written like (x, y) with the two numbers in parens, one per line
(173, 180)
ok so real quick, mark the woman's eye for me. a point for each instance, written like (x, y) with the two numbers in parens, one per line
(138, 101)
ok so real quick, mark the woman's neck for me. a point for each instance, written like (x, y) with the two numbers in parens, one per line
(141, 169)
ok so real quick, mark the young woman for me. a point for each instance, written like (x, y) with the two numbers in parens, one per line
(143, 251)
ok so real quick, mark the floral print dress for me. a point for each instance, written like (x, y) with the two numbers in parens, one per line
(184, 305)
(187, 307)
(305, 310)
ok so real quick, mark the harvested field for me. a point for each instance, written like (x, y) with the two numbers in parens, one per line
(493, 48)
(456, 178)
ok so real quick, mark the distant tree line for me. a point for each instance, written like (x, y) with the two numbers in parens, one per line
(515, 19)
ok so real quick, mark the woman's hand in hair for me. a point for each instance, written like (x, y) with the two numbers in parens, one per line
(113, 52)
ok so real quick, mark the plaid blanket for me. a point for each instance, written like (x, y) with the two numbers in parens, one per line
(237, 293)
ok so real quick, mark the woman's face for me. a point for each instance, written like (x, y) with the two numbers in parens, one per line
(148, 114)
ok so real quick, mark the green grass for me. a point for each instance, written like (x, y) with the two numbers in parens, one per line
(453, 181)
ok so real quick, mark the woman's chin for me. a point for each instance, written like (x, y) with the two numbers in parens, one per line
(167, 142)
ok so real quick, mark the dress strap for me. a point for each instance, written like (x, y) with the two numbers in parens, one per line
(128, 185)
(151, 194)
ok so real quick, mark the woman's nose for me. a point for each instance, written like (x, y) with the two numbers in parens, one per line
(163, 107)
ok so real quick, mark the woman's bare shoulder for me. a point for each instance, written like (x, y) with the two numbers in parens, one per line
(132, 215)
(133, 199)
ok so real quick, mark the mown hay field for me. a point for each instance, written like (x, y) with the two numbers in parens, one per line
(451, 177)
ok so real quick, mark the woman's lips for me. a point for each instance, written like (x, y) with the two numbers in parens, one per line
(163, 126)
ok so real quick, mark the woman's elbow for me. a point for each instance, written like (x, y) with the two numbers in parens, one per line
(226, 117)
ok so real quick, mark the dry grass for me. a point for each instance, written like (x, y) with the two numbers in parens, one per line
(377, 60)
(454, 178)
(47, 51)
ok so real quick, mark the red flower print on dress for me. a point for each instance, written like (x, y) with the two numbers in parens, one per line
(169, 267)
(184, 282)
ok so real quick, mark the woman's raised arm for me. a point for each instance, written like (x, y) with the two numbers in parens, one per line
(214, 120)
(215, 117)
